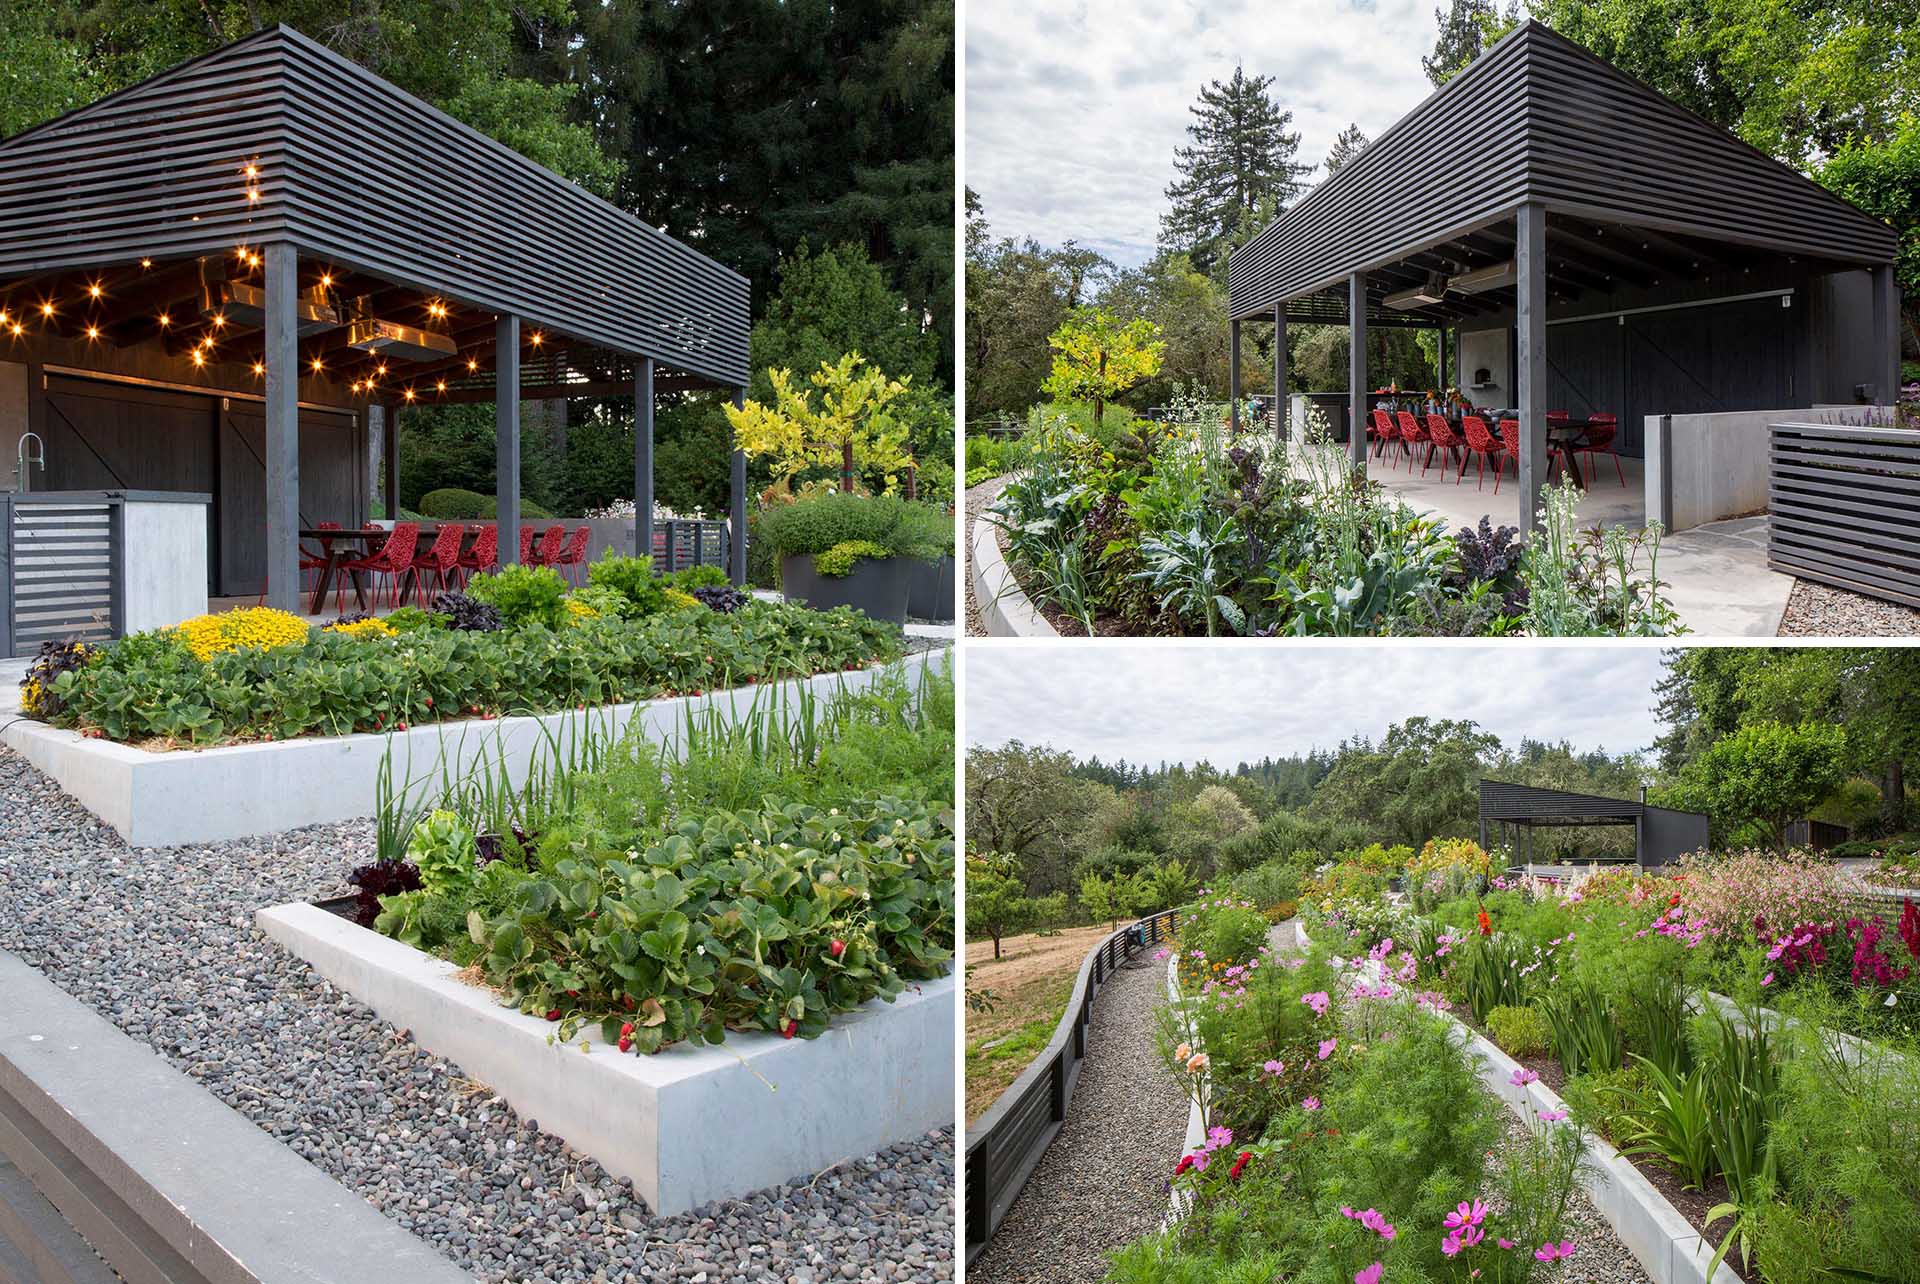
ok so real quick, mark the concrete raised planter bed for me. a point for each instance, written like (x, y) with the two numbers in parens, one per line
(1005, 609)
(688, 1125)
(877, 586)
(236, 791)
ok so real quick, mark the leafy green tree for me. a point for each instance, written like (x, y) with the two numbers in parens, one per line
(1883, 178)
(1097, 898)
(998, 904)
(1190, 309)
(1018, 293)
(1097, 356)
(1028, 802)
(1421, 782)
(1241, 154)
(1765, 775)
(831, 303)
(1467, 27)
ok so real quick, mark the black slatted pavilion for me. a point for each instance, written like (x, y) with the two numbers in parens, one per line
(1509, 814)
(295, 170)
(1541, 156)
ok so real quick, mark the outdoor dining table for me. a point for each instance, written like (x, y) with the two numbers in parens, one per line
(348, 544)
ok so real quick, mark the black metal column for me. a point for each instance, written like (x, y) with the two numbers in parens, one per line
(1233, 375)
(643, 458)
(506, 436)
(1886, 336)
(281, 352)
(1281, 401)
(1357, 372)
(737, 504)
(1530, 267)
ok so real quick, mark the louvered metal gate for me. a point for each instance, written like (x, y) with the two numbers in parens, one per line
(60, 569)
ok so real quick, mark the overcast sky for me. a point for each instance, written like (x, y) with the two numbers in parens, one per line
(1229, 703)
(1074, 107)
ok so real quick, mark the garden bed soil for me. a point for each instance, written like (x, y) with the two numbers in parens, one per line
(1066, 625)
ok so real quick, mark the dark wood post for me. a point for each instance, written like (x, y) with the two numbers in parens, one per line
(1445, 382)
(1530, 267)
(281, 352)
(1886, 336)
(506, 436)
(1357, 372)
(643, 458)
(738, 502)
(1233, 375)
(390, 453)
(1281, 401)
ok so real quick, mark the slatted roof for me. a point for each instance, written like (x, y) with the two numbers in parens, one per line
(276, 137)
(1502, 800)
(1637, 190)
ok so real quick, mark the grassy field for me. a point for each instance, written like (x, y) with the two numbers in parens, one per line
(1031, 983)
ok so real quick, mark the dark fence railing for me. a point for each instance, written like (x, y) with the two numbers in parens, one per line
(60, 569)
(1007, 1143)
(1845, 504)
(681, 543)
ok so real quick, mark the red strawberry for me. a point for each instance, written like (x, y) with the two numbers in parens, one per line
(553, 1014)
(429, 702)
(626, 1044)
(626, 1031)
(787, 1030)
(838, 947)
(400, 726)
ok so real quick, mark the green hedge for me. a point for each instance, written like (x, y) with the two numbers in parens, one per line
(904, 528)
(452, 504)
(150, 686)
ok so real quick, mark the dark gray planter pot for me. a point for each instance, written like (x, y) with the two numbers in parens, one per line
(930, 590)
(877, 587)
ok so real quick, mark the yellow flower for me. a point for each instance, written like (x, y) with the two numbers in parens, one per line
(581, 610)
(369, 628)
(680, 599)
(249, 626)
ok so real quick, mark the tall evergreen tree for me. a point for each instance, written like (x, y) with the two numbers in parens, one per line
(1466, 29)
(1345, 148)
(1241, 154)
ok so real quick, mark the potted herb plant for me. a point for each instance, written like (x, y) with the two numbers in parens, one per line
(862, 551)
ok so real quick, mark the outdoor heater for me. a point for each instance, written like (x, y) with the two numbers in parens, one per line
(245, 305)
(1491, 277)
(395, 338)
(1433, 291)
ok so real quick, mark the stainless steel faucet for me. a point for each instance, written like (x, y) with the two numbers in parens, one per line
(23, 460)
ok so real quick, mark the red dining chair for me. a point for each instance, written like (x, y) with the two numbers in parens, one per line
(1510, 438)
(1601, 440)
(309, 559)
(437, 563)
(482, 557)
(1381, 431)
(1441, 434)
(1414, 434)
(1484, 446)
(393, 560)
(549, 551)
(526, 546)
(574, 555)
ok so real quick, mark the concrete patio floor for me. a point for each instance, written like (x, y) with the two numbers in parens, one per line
(1717, 574)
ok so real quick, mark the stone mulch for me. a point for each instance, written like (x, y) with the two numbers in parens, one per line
(1815, 610)
(161, 942)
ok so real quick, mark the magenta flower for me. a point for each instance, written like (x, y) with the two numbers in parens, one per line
(1318, 1001)
(1311, 1103)
(1368, 1274)
(1767, 979)
(1547, 1252)
(1219, 1138)
(1522, 1077)
(1504, 1242)
(1553, 1116)
(1275, 1068)
(1327, 1046)
(1466, 1215)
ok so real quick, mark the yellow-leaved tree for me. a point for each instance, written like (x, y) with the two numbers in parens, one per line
(1096, 356)
(850, 427)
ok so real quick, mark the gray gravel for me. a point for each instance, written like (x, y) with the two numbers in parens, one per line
(1815, 610)
(161, 942)
(1598, 1255)
(1103, 1182)
(978, 497)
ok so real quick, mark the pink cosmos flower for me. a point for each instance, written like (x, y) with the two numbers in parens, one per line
(1767, 979)
(1327, 1046)
(1466, 1215)
(1553, 1116)
(1522, 1077)
(1547, 1252)
(1504, 1242)
(1311, 1103)
(1275, 1068)
(1318, 1001)
(1219, 1138)
(1368, 1274)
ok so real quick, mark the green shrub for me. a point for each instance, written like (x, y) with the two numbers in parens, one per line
(902, 527)
(1268, 884)
(840, 559)
(1519, 1032)
(1233, 935)
(454, 504)
(697, 577)
(632, 578)
(523, 594)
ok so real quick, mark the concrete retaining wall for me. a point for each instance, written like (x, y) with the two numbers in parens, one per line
(1703, 468)
(1006, 610)
(236, 791)
(163, 562)
(687, 1125)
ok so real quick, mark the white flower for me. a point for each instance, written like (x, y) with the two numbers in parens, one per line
(1892, 999)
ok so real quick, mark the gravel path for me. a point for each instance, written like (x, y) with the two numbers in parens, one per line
(1598, 1257)
(978, 497)
(161, 942)
(1103, 1182)
(1815, 610)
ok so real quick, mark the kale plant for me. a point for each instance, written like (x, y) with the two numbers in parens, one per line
(1492, 554)
(382, 878)
(724, 598)
(467, 614)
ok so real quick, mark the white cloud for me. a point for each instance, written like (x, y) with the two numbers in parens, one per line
(1228, 702)
(1074, 108)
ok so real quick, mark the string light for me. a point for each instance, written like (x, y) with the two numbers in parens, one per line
(318, 365)
(199, 357)
(259, 367)
(165, 320)
(253, 195)
(380, 369)
(5, 319)
(219, 320)
(440, 385)
(93, 332)
(536, 338)
(46, 309)
(437, 309)
(94, 290)
(326, 280)
(146, 263)
(409, 394)
(253, 171)
(472, 365)
(18, 329)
